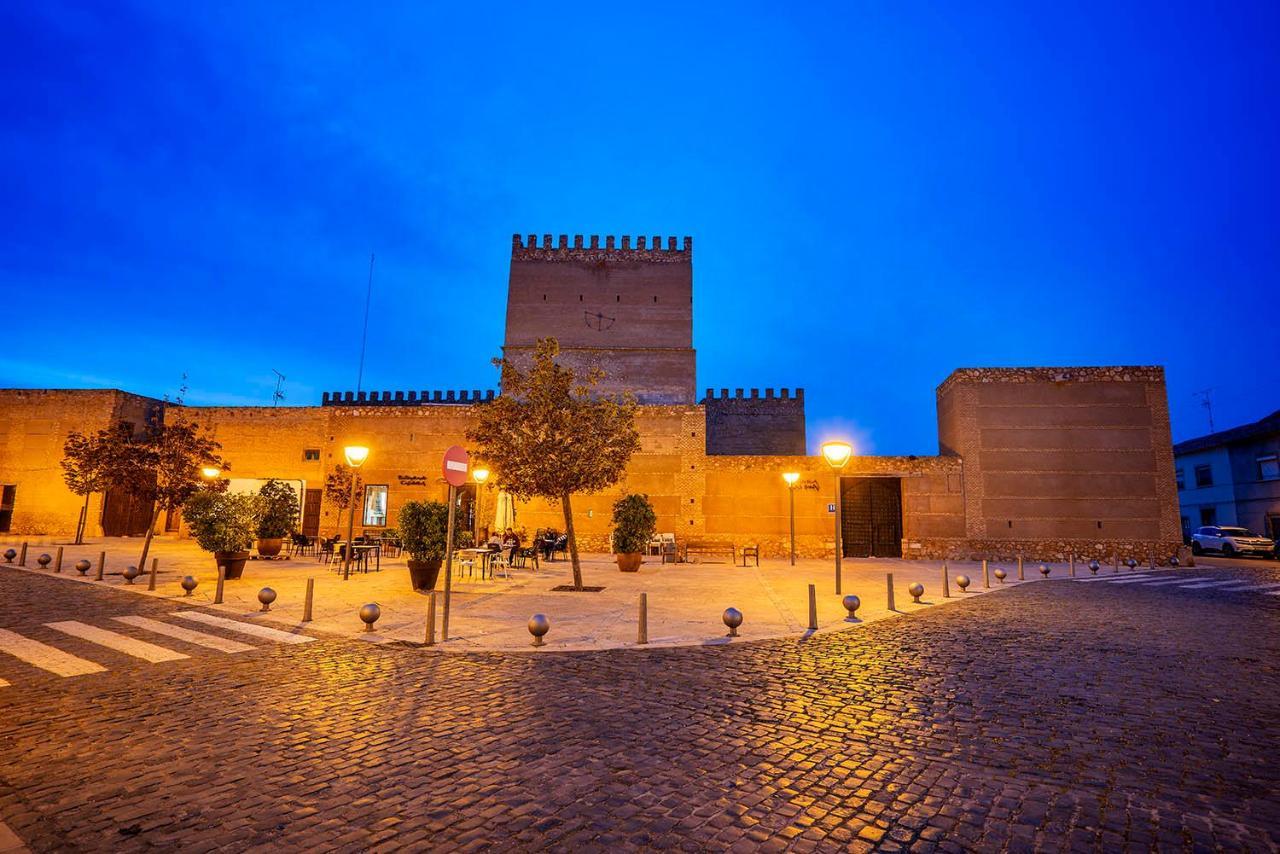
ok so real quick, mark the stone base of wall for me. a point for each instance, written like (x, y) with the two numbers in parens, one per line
(1007, 551)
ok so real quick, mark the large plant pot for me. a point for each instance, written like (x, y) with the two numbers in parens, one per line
(232, 563)
(270, 547)
(630, 561)
(424, 573)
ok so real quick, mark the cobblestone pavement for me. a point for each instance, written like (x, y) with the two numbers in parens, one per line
(1061, 716)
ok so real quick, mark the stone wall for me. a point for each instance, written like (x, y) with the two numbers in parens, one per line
(755, 424)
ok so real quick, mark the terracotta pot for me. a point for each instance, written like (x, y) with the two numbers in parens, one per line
(270, 547)
(232, 563)
(629, 562)
(424, 574)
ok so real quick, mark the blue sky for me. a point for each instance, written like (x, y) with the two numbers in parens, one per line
(878, 193)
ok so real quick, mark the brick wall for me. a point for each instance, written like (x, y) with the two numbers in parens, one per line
(752, 423)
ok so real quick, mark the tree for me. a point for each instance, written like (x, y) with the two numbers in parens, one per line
(546, 436)
(87, 463)
(337, 489)
(164, 465)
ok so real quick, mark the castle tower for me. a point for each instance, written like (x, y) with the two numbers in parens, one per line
(624, 307)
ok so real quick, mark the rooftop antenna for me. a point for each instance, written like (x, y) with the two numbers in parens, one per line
(278, 395)
(1206, 400)
(364, 336)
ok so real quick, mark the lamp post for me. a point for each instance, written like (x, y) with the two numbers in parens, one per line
(791, 477)
(210, 472)
(837, 456)
(356, 455)
(481, 475)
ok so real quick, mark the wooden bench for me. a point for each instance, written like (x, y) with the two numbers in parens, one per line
(708, 548)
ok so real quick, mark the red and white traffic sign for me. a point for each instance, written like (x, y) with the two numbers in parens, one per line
(457, 462)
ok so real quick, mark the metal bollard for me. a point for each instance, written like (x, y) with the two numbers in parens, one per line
(946, 582)
(57, 563)
(44, 560)
(888, 577)
(369, 614)
(1115, 562)
(189, 584)
(1153, 560)
(916, 590)
(732, 618)
(306, 603)
(266, 596)
(1021, 576)
(1000, 575)
(962, 581)
(9, 555)
(539, 625)
(22, 556)
(813, 609)
(986, 575)
(130, 573)
(851, 604)
(82, 567)
(102, 564)
(217, 593)
(155, 562)
(642, 633)
(1071, 566)
(431, 619)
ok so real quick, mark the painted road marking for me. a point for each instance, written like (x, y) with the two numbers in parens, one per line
(45, 657)
(1208, 584)
(1129, 580)
(120, 643)
(1112, 578)
(184, 634)
(251, 629)
(1249, 587)
(1164, 581)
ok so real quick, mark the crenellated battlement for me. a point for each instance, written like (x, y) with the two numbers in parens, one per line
(769, 394)
(645, 248)
(407, 398)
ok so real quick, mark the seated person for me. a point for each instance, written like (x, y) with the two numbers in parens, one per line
(495, 542)
(548, 543)
(510, 543)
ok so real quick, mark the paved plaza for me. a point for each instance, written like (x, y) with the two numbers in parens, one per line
(1129, 712)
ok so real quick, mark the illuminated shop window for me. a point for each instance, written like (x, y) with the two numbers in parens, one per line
(375, 505)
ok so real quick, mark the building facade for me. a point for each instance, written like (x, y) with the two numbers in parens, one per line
(1038, 461)
(1231, 477)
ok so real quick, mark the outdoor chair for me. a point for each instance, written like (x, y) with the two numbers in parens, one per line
(522, 557)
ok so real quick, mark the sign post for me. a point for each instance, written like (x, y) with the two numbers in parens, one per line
(455, 467)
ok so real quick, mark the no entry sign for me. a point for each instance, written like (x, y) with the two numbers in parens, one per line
(457, 462)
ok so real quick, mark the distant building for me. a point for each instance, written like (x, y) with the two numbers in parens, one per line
(1231, 477)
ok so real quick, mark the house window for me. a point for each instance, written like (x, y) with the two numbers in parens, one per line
(1208, 515)
(375, 505)
(1186, 526)
(1182, 482)
(1268, 467)
(311, 455)
(1204, 477)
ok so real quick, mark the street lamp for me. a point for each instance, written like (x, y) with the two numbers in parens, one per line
(837, 456)
(210, 472)
(481, 475)
(356, 455)
(791, 477)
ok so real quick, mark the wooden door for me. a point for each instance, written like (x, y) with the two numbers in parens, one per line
(311, 512)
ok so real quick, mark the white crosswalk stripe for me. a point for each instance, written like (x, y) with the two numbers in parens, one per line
(1202, 585)
(1111, 577)
(1164, 581)
(120, 643)
(1144, 579)
(252, 629)
(44, 656)
(184, 634)
(1249, 587)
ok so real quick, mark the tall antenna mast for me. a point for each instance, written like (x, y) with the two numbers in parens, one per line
(364, 336)
(1206, 400)
(278, 395)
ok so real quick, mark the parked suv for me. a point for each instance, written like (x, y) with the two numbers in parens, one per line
(1231, 542)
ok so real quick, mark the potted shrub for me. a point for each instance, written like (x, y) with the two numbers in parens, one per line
(225, 525)
(633, 525)
(424, 527)
(277, 513)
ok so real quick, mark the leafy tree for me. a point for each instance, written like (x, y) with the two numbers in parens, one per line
(277, 509)
(337, 489)
(87, 463)
(546, 436)
(164, 465)
(221, 522)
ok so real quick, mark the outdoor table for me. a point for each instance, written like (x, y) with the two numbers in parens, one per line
(360, 554)
(483, 554)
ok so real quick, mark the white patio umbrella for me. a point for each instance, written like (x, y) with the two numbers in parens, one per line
(504, 514)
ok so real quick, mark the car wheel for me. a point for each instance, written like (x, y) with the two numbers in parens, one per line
(1196, 548)
(1228, 550)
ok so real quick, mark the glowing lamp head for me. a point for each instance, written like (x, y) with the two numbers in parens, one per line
(791, 477)
(210, 472)
(481, 475)
(356, 455)
(837, 454)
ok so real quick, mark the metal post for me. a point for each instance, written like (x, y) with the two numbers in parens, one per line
(151, 584)
(946, 584)
(22, 556)
(1115, 562)
(888, 577)
(431, 619)
(102, 563)
(986, 574)
(642, 635)
(1021, 577)
(1153, 559)
(306, 603)
(217, 594)
(791, 490)
(1071, 565)
(57, 562)
(475, 540)
(448, 567)
(839, 545)
(813, 609)
(351, 521)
